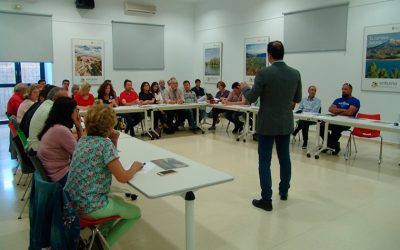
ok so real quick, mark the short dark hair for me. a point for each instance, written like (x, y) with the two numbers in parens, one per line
(348, 84)
(45, 91)
(60, 113)
(197, 80)
(126, 81)
(186, 81)
(65, 80)
(41, 80)
(235, 85)
(276, 50)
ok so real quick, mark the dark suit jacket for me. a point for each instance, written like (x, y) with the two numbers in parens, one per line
(277, 86)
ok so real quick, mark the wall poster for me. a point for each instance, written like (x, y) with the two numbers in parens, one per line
(88, 61)
(212, 62)
(255, 50)
(381, 58)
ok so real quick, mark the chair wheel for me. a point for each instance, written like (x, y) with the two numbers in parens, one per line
(237, 139)
(203, 132)
(308, 155)
(316, 157)
(244, 140)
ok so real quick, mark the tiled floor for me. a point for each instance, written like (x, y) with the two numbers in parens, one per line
(333, 204)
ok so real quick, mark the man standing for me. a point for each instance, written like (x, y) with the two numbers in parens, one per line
(278, 86)
(347, 106)
(308, 104)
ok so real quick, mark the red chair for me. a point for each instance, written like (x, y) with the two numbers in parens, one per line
(92, 225)
(366, 133)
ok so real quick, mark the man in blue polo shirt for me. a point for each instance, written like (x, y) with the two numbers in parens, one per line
(346, 106)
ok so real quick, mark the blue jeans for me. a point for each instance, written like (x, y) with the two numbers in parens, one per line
(265, 144)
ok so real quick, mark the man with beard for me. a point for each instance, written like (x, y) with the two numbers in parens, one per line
(347, 105)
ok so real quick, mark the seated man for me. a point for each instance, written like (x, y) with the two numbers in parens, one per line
(173, 95)
(235, 98)
(129, 97)
(346, 106)
(190, 97)
(197, 89)
(308, 104)
(220, 95)
(40, 116)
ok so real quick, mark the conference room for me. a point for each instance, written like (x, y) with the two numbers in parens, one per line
(196, 187)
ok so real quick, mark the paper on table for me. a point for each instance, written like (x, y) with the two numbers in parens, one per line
(147, 167)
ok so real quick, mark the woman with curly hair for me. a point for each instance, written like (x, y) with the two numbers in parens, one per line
(107, 94)
(94, 162)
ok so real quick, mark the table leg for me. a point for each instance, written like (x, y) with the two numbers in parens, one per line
(198, 120)
(152, 122)
(317, 137)
(189, 215)
(146, 130)
(325, 144)
(245, 132)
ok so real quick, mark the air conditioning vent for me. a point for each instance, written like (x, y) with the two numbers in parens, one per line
(137, 8)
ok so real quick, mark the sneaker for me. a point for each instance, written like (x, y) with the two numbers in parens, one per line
(235, 130)
(266, 205)
(211, 128)
(304, 145)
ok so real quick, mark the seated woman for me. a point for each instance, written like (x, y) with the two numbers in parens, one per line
(147, 97)
(155, 89)
(74, 90)
(30, 97)
(84, 99)
(56, 140)
(221, 94)
(107, 94)
(94, 161)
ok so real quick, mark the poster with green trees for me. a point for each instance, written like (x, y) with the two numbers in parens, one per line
(381, 67)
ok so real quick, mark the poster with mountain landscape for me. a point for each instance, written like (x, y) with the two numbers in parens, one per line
(212, 62)
(88, 61)
(381, 67)
(255, 56)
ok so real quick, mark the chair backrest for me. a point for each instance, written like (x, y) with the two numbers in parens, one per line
(364, 132)
(13, 130)
(22, 137)
(26, 164)
(38, 165)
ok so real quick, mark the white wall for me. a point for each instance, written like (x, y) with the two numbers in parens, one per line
(231, 21)
(69, 22)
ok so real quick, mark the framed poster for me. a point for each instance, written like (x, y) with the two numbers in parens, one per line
(381, 58)
(255, 51)
(88, 61)
(212, 62)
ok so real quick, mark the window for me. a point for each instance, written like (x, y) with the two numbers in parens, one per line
(12, 73)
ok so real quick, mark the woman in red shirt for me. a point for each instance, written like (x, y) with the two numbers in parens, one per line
(84, 99)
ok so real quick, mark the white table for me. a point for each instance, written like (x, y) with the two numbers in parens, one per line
(184, 182)
(345, 121)
(247, 109)
(164, 107)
